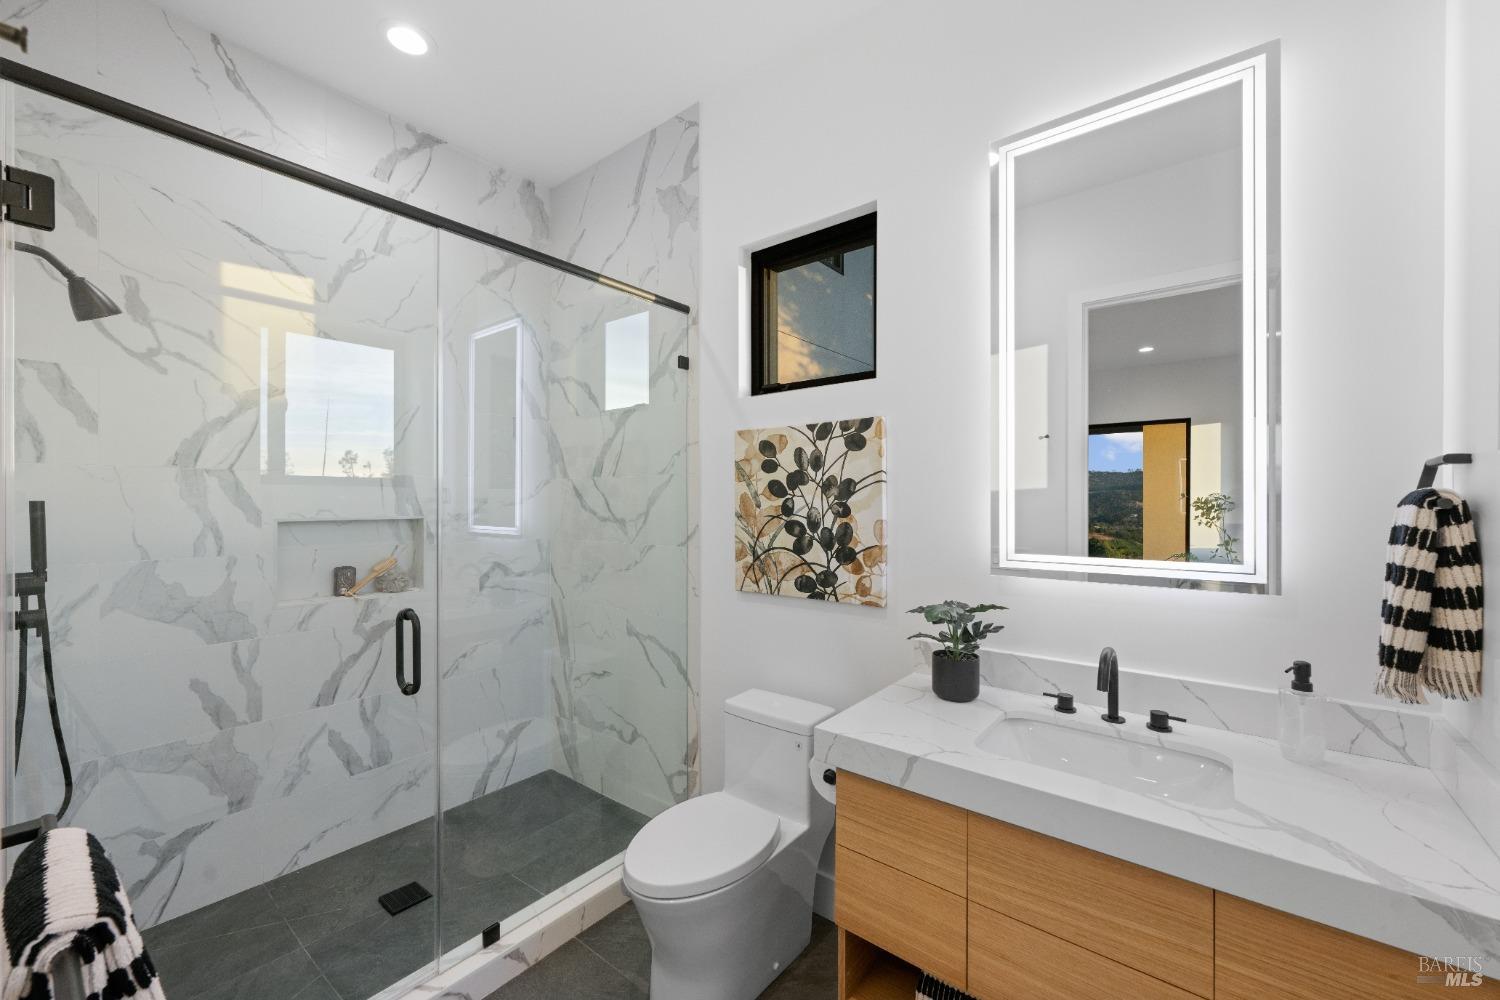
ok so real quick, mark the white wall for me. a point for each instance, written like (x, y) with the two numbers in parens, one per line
(921, 99)
(1471, 320)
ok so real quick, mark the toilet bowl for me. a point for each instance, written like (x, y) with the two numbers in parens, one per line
(724, 882)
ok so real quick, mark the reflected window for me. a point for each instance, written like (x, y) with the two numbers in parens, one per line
(812, 309)
(327, 407)
(627, 361)
(494, 429)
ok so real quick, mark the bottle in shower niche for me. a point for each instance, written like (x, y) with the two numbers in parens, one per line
(1301, 722)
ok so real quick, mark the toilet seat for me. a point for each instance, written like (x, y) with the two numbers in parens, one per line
(698, 846)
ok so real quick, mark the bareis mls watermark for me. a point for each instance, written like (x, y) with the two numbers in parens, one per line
(1451, 971)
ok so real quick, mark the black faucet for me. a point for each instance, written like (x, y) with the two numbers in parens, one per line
(1109, 682)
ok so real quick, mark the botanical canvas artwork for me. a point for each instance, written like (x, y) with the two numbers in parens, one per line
(810, 511)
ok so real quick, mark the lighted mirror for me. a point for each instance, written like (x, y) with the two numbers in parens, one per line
(1135, 244)
(494, 429)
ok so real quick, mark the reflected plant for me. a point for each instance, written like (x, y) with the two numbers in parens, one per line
(1210, 511)
(798, 528)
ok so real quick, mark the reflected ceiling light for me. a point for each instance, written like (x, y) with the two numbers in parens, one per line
(407, 39)
(1146, 349)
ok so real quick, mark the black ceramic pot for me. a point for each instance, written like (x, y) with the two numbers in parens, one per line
(955, 678)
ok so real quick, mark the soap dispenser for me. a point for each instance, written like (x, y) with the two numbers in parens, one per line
(1301, 724)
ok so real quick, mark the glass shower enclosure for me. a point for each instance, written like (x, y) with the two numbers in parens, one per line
(263, 390)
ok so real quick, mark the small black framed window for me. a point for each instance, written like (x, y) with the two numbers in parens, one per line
(812, 309)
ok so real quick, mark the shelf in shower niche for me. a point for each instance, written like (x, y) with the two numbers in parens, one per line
(308, 551)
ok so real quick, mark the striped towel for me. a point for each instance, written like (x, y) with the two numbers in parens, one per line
(64, 895)
(1432, 632)
(930, 987)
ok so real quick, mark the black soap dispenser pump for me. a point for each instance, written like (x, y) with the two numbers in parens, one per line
(1300, 728)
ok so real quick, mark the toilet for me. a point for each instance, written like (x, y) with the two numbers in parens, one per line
(724, 882)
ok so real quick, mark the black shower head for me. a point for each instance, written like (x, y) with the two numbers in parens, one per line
(84, 296)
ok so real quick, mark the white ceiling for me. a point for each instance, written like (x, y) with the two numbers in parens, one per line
(1185, 130)
(1191, 326)
(542, 87)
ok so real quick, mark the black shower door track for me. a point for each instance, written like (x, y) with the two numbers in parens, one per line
(56, 86)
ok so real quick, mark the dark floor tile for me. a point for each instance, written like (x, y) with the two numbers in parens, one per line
(620, 939)
(189, 970)
(333, 894)
(287, 976)
(319, 990)
(578, 842)
(815, 973)
(571, 971)
(251, 908)
(519, 809)
(468, 910)
(624, 970)
(373, 953)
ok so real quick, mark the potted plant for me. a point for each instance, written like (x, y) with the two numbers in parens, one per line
(955, 663)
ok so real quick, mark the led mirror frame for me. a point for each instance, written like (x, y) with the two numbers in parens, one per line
(516, 328)
(1256, 71)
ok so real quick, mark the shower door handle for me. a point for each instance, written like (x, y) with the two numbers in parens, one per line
(408, 615)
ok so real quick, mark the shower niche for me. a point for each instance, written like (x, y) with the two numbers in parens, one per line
(308, 551)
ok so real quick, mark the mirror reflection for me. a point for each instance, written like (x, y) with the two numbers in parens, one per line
(1129, 240)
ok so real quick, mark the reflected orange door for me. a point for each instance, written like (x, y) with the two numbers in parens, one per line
(1164, 521)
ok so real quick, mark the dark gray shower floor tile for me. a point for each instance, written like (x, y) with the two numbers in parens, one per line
(243, 910)
(319, 933)
(371, 954)
(578, 842)
(622, 956)
(290, 975)
(468, 910)
(192, 969)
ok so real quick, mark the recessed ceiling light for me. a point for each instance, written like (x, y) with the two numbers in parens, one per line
(407, 39)
(1147, 349)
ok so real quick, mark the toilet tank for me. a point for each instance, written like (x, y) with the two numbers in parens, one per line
(767, 747)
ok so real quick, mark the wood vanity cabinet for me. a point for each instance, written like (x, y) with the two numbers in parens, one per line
(1008, 914)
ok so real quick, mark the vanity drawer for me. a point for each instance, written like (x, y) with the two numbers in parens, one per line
(905, 916)
(916, 835)
(1151, 922)
(1267, 953)
(1010, 961)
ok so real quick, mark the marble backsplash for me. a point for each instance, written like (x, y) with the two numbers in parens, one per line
(1385, 732)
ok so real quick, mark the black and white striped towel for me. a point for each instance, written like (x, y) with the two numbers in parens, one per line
(930, 987)
(1432, 615)
(65, 895)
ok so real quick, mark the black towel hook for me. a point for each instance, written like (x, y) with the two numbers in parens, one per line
(1430, 467)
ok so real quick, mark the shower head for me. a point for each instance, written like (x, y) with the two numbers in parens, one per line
(84, 296)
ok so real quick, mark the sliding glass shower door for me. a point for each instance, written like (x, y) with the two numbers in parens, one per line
(258, 410)
(232, 396)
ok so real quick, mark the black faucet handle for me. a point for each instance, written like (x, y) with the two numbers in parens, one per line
(1161, 722)
(1064, 701)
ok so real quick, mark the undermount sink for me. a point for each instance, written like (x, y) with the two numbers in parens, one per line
(1143, 767)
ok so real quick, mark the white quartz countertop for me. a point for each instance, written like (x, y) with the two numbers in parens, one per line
(1374, 848)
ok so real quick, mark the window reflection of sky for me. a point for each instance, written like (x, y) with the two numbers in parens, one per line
(1115, 452)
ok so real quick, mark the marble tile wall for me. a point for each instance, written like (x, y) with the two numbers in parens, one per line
(223, 733)
(625, 686)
